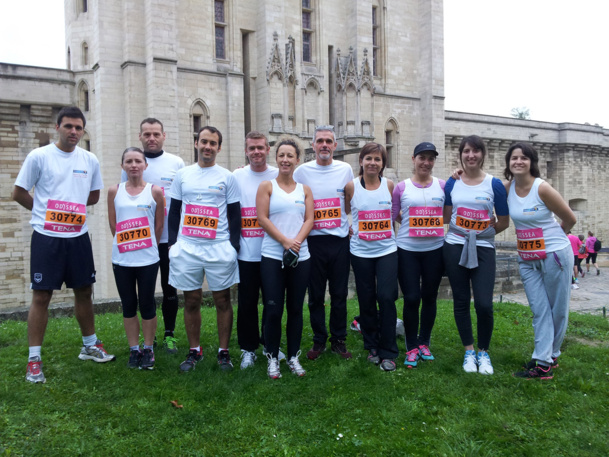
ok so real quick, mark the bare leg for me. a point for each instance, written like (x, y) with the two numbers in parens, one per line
(132, 329)
(83, 310)
(149, 330)
(224, 316)
(192, 316)
(38, 316)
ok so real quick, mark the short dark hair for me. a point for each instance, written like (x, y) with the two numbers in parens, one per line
(152, 120)
(256, 135)
(370, 148)
(73, 112)
(529, 152)
(212, 130)
(288, 142)
(130, 149)
(475, 142)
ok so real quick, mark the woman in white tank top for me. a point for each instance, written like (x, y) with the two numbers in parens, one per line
(545, 258)
(374, 255)
(285, 212)
(136, 215)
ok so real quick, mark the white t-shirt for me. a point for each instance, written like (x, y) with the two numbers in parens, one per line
(134, 243)
(205, 193)
(251, 232)
(63, 182)
(161, 172)
(327, 184)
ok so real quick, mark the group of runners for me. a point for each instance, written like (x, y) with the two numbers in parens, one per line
(280, 231)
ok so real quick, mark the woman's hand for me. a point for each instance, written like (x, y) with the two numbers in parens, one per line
(291, 243)
(456, 174)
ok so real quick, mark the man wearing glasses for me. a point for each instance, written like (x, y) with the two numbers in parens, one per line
(328, 242)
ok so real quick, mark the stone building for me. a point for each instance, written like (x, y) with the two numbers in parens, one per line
(372, 69)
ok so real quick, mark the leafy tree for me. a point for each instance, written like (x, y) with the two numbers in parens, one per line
(521, 113)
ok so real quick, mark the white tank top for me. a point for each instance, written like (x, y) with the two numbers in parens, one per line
(134, 243)
(371, 212)
(287, 213)
(422, 226)
(537, 231)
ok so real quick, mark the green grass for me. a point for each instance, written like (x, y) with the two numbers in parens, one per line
(340, 408)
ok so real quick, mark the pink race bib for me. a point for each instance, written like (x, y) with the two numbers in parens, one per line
(64, 216)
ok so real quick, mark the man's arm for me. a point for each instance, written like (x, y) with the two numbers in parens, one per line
(173, 221)
(93, 197)
(23, 197)
(233, 211)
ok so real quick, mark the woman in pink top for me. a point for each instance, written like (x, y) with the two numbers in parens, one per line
(575, 245)
(590, 241)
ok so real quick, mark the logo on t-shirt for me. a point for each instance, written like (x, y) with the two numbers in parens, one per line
(79, 173)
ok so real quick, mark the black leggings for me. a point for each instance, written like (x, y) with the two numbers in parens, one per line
(419, 274)
(279, 285)
(170, 294)
(145, 278)
(482, 281)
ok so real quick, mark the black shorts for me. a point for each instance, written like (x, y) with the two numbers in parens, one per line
(54, 261)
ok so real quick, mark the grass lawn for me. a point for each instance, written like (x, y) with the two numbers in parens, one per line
(340, 408)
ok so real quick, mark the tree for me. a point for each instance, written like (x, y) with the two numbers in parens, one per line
(521, 113)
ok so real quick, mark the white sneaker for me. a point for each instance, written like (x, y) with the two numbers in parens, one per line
(295, 366)
(470, 364)
(484, 363)
(280, 355)
(273, 368)
(400, 331)
(574, 286)
(247, 359)
(34, 371)
(97, 353)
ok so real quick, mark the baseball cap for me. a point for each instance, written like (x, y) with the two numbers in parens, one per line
(424, 147)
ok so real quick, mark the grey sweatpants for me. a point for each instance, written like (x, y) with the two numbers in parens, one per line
(547, 284)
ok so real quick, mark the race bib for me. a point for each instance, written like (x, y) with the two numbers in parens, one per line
(425, 221)
(249, 223)
(473, 219)
(327, 213)
(531, 245)
(65, 216)
(133, 234)
(374, 225)
(200, 221)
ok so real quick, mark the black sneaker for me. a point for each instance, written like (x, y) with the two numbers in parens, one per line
(373, 357)
(135, 357)
(224, 360)
(339, 347)
(537, 372)
(191, 360)
(316, 351)
(532, 364)
(147, 362)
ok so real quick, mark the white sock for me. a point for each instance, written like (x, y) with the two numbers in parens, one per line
(134, 348)
(35, 351)
(221, 349)
(89, 340)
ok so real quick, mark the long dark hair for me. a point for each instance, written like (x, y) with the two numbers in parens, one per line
(529, 152)
(370, 148)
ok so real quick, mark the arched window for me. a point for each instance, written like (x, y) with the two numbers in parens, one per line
(85, 142)
(391, 130)
(85, 53)
(83, 96)
(200, 118)
(84, 6)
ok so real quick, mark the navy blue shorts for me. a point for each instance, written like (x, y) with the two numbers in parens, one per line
(54, 261)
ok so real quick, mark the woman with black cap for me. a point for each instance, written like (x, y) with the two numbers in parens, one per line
(417, 205)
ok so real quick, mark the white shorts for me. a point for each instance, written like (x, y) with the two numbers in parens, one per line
(189, 263)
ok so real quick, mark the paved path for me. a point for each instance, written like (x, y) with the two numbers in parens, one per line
(591, 297)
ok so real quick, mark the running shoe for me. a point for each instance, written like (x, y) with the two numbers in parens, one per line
(147, 360)
(574, 286)
(97, 353)
(355, 326)
(295, 366)
(34, 371)
(411, 358)
(537, 372)
(426, 353)
(316, 351)
(224, 360)
(339, 347)
(373, 357)
(388, 365)
(484, 363)
(247, 359)
(583, 274)
(273, 367)
(400, 331)
(533, 363)
(171, 344)
(470, 364)
(135, 358)
(191, 360)
(280, 355)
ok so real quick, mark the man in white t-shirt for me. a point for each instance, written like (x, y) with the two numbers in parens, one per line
(204, 231)
(249, 178)
(328, 243)
(162, 168)
(66, 179)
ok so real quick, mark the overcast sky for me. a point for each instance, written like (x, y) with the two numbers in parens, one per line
(546, 55)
